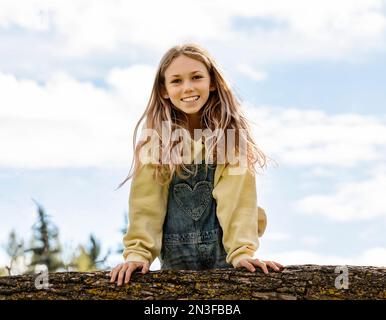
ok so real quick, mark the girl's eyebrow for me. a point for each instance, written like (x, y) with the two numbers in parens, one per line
(177, 75)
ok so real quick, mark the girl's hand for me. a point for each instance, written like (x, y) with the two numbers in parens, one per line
(124, 271)
(251, 263)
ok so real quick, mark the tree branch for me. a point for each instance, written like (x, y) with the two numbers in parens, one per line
(294, 282)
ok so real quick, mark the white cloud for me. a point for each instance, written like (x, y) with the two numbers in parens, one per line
(311, 240)
(134, 84)
(307, 240)
(314, 138)
(302, 257)
(320, 171)
(367, 233)
(26, 14)
(280, 30)
(251, 73)
(66, 122)
(374, 256)
(324, 144)
(277, 236)
(369, 257)
(362, 200)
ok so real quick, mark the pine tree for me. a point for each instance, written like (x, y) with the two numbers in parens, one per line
(45, 246)
(15, 251)
(87, 259)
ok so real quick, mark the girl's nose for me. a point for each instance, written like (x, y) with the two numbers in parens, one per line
(188, 87)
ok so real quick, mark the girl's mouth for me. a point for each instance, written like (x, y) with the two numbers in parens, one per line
(190, 99)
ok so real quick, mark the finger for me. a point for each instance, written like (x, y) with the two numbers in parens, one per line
(261, 264)
(247, 265)
(278, 265)
(129, 272)
(121, 274)
(145, 268)
(115, 272)
(272, 265)
(111, 275)
(264, 267)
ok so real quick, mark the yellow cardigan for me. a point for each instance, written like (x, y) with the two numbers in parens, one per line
(241, 220)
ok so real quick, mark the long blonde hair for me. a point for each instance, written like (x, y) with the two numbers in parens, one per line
(221, 111)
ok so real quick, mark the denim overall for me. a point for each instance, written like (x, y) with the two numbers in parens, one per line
(192, 235)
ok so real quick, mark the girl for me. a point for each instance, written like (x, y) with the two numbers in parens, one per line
(190, 213)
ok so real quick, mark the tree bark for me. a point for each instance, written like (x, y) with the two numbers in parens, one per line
(296, 282)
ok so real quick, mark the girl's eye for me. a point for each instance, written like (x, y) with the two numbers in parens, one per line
(175, 81)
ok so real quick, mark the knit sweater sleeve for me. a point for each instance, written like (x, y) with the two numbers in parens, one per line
(238, 214)
(147, 210)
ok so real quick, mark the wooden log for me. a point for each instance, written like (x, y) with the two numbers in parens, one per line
(295, 282)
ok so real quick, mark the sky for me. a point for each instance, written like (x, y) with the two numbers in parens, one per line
(75, 76)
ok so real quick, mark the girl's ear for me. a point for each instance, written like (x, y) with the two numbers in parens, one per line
(212, 87)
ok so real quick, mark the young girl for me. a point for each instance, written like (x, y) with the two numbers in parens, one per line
(190, 213)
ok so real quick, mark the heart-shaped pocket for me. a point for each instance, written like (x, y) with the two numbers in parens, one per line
(193, 201)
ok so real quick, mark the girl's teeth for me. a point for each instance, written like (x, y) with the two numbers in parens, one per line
(191, 99)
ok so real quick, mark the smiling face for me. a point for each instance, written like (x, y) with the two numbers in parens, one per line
(187, 83)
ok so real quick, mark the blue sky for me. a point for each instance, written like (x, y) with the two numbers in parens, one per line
(75, 76)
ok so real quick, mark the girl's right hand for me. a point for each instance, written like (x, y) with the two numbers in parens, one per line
(124, 271)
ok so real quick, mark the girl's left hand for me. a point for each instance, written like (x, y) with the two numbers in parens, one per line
(250, 265)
